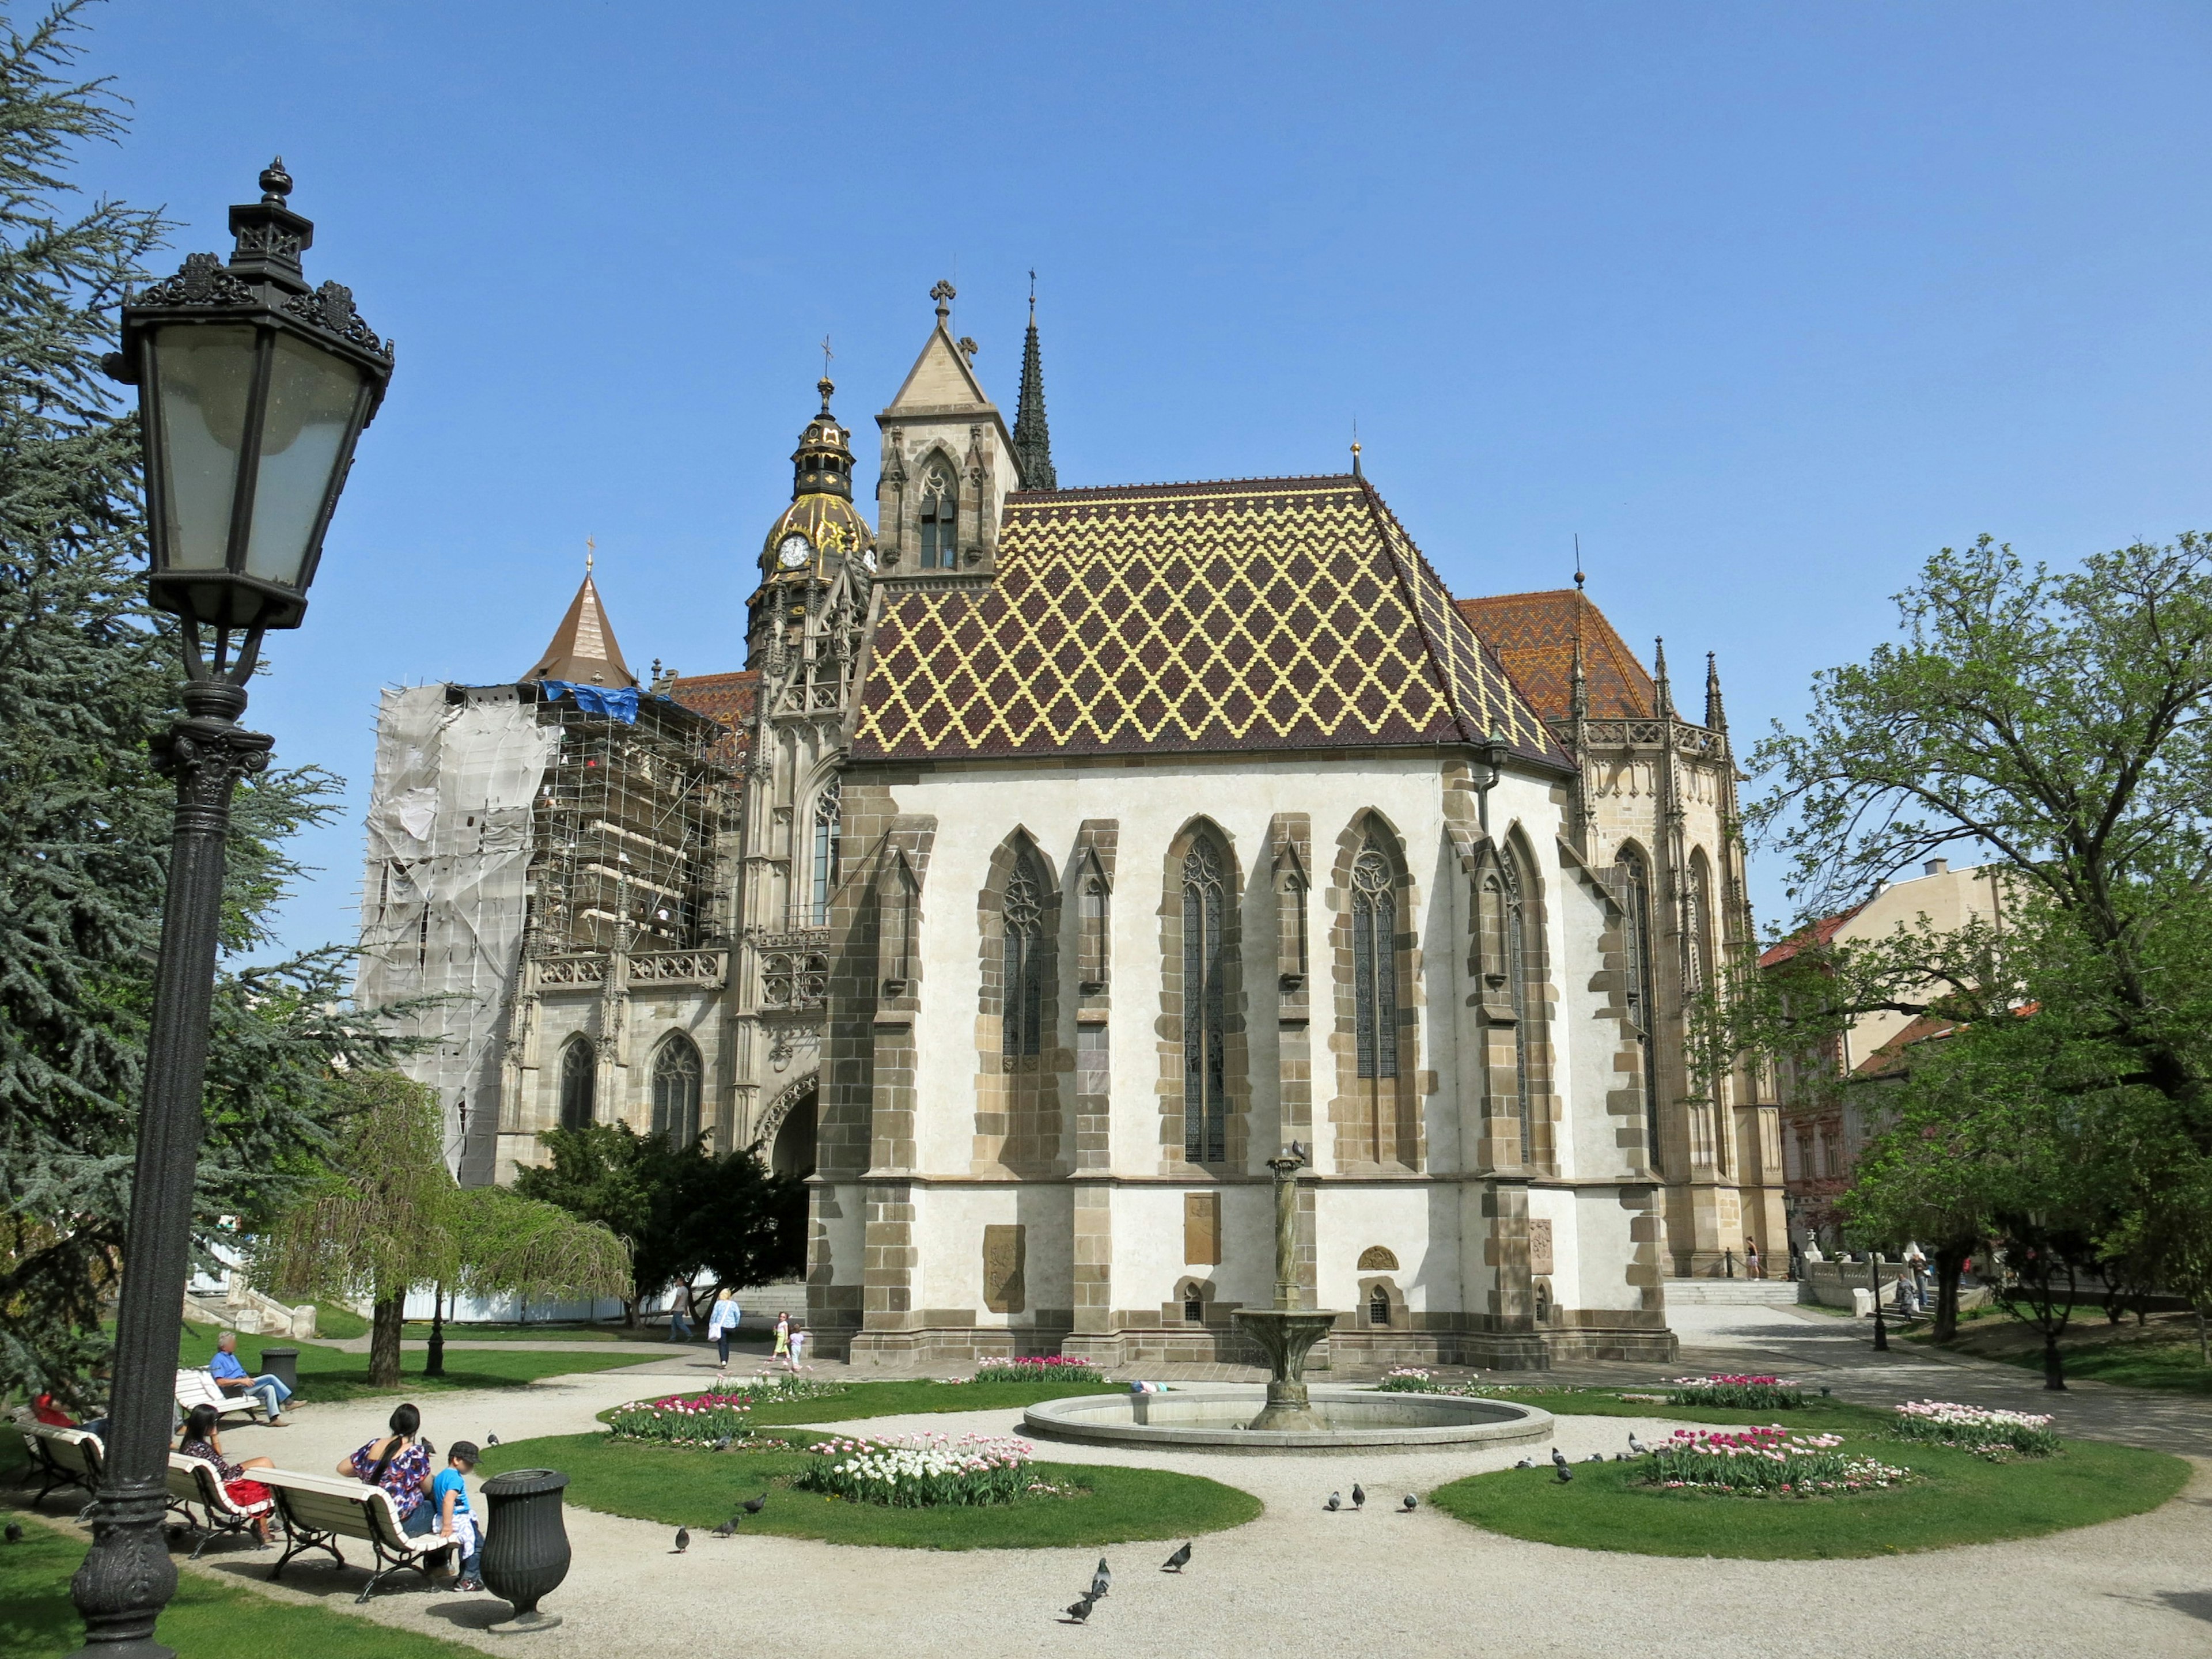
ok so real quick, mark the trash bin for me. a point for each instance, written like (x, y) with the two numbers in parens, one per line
(283, 1364)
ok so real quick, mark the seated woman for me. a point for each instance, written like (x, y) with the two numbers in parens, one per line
(400, 1463)
(202, 1438)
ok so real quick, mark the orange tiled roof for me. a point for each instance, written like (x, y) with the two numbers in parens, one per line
(1534, 635)
(1819, 933)
(1247, 615)
(727, 698)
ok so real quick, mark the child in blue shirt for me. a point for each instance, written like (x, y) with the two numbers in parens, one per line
(449, 1494)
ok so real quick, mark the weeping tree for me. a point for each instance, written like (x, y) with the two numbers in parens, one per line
(387, 1217)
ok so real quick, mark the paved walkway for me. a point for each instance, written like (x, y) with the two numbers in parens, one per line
(1300, 1583)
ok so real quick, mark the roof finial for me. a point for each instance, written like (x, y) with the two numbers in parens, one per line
(275, 183)
(1578, 569)
(1659, 677)
(1355, 447)
(1033, 294)
(826, 356)
(1716, 715)
(944, 293)
(825, 386)
(1032, 436)
(591, 552)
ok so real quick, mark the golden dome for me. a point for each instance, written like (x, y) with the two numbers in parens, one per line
(821, 525)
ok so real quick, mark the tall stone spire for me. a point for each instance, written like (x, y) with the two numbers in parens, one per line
(1716, 715)
(1665, 694)
(1032, 438)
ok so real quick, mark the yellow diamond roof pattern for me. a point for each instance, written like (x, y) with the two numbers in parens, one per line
(1262, 614)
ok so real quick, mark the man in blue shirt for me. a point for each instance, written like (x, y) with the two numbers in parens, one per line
(232, 1378)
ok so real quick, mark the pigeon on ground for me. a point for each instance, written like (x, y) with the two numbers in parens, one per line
(754, 1505)
(1358, 1496)
(1080, 1610)
(683, 1539)
(728, 1528)
(1411, 1504)
(1335, 1503)
(16, 1533)
(1594, 1457)
(1635, 1447)
(1560, 1463)
(1526, 1463)
(491, 1440)
(1101, 1581)
(1178, 1561)
(725, 1443)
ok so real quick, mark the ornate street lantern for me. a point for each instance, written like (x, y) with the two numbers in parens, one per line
(252, 392)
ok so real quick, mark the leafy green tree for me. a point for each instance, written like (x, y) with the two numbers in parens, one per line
(88, 672)
(682, 1210)
(385, 1216)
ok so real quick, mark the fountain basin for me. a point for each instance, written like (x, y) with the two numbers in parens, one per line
(1212, 1417)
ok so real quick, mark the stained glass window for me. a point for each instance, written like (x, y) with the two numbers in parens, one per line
(1205, 1083)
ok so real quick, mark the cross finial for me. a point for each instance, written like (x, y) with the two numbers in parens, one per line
(826, 356)
(1032, 293)
(944, 294)
(591, 552)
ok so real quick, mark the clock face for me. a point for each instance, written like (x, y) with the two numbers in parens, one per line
(791, 552)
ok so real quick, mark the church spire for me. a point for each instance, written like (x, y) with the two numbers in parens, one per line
(1666, 695)
(1716, 715)
(583, 649)
(1032, 438)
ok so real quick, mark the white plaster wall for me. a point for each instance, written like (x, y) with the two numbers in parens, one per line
(948, 1222)
(1417, 1221)
(846, 1233)
(1602, 1249)
(1588, 1037)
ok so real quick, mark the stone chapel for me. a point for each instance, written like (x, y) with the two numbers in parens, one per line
(1059, 855)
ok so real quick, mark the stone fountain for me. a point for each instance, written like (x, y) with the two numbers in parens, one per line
(1286, 1332)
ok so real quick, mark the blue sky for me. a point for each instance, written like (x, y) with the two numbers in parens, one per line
(1765, 302)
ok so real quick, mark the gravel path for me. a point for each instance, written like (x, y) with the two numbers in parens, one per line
(1299, 1582)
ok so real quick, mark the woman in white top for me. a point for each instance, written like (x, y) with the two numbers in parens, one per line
(720, 1324)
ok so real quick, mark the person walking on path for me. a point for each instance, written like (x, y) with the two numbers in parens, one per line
(1751, 1269)
(782, 1339)
(680, 1327)
(720, 1324)
(231, 1376)
(797, 1348)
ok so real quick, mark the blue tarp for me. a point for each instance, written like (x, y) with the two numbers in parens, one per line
(620, 705)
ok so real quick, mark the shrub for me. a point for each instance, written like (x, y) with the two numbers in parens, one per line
(1766, 1463)
(1976, 1428)
(683, 1420)
(925, 1470)
(1759, 1393)
(1037, 1368)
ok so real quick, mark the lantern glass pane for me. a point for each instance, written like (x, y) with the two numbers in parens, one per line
(312, 397)
(204, 376)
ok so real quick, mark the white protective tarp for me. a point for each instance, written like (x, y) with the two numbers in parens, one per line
(443, 896)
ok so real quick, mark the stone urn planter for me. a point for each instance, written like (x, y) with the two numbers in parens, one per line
(525, 1552)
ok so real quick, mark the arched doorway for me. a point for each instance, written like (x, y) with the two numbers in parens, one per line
(791, 1159)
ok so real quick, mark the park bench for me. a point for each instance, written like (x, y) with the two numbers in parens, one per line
(198, 1388)
(195, 1481)
(61, 1457)
(319, 1510)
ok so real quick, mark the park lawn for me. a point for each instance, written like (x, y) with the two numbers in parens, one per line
(328, 1375)
(2164, 1355)
(1961, 1499)
(2143, 1365)
(682, 1486)
(898, 1399)
(209, 1618)
(418, 1330)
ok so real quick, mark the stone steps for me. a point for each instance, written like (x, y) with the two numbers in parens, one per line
(1731, 1292)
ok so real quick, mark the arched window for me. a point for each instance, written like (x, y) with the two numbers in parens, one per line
(1375, 993)
(1194, 1306)
(1635, 881)
(675, 1089)
(940, 521)
(1204, 1064)
(1517, 971)
(580, 1080)
(1022, 1019)
(1699, 931)
(826, 825)
(1379, 1307)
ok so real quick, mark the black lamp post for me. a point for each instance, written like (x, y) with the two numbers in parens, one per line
(252, 390)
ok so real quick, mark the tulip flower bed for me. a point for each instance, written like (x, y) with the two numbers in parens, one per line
(768, 1387)
(683, 1420)
(923, 1471)
(1757, 1393)
(1766, 1463)
(1978, 1428)
(1037, 1368)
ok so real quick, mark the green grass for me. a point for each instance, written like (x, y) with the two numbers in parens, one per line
(326, 1374)
(209, 1619)
(2140, 1364)
(678, 1487)
(337, 1324)
(418, 1330)
(1962, 1499)
(901, 1399)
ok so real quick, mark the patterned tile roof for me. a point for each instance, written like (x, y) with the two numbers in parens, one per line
(727, 698)
(1255, 614)
(1534, 635)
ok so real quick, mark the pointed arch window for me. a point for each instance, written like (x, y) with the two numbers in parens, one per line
(675, 1075)
(580, 1083)
(941, 520)
(1635, 881)
(1375, 963)
(1023, 1017)
(824, 865)
(1518, 965)
(1699, 931)
(1205, 1044)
